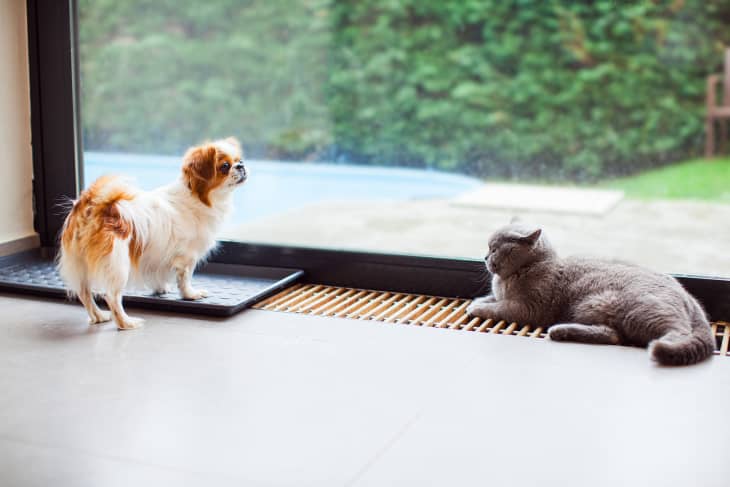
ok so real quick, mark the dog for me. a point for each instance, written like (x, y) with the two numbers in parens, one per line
(116, 234)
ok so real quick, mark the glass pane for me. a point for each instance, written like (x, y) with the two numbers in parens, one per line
(420, 126)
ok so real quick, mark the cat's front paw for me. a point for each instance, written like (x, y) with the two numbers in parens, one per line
(559, 333)
(489, 298)
(477, 306)
(482, 309)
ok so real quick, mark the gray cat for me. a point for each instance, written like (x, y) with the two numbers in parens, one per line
(595, 301)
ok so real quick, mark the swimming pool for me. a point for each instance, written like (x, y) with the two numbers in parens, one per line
(277, 187)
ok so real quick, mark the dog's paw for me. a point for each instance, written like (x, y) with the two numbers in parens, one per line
(161, 291)
(130, 323)
(100, 317)
(195, 294)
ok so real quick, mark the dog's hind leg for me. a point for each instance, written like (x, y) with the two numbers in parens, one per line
(75, 275)
(115, 269)
(123, 320)
(96, 314)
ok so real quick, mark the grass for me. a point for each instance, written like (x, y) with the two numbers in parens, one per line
(697, 179)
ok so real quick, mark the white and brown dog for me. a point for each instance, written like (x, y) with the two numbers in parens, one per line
(116, 234)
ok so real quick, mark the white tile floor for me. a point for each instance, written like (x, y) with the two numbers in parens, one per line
(276, 399)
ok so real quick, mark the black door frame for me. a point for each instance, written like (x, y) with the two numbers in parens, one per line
(55, 120)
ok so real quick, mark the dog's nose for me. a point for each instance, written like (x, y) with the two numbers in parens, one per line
(241, 170)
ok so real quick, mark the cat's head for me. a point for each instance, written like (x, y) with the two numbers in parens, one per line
(514, 246)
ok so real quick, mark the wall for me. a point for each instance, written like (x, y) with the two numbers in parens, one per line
(16, 169)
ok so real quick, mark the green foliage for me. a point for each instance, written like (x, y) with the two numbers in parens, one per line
(549, 89)
(508, 88)
(698, 179)
(160, 75)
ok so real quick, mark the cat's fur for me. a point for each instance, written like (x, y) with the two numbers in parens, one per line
(591, 300)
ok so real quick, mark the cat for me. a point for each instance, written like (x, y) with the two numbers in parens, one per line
(591, 300)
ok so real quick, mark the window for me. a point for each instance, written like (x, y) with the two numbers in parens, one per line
(379, 131)
(420, 127)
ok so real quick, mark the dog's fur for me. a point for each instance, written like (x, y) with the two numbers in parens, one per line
(116, 234)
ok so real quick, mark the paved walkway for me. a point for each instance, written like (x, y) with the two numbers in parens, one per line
(671, 236)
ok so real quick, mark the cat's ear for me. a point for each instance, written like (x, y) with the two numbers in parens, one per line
(532, 237)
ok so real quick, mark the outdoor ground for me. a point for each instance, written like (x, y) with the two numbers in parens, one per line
(680, 236)
(673, 219)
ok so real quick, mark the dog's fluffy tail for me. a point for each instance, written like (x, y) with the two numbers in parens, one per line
(96, 220)
(677, 348)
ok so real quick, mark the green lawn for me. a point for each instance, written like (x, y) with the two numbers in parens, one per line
(698, 179)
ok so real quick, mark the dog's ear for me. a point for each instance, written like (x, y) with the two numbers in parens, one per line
(199, 171)
(234, 142)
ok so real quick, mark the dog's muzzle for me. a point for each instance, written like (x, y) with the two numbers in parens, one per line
(240, 169)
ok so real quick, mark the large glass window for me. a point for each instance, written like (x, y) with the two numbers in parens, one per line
(420, 126)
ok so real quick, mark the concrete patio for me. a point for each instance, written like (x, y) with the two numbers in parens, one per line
(671, 236)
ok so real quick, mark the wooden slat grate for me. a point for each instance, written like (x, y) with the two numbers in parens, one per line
(412, 309)
(388, 307)
(721, 330)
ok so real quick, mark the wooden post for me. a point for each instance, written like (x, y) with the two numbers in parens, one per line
(725, 101)
(709, 118)
(726, 80)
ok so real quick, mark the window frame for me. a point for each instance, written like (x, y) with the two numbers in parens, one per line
(57, 159)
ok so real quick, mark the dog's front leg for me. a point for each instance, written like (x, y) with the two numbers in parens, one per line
(184, 272)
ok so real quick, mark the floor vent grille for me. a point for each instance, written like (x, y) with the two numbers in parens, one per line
(411, 309)
(721, 330)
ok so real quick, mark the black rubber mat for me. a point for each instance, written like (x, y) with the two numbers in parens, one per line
(231, 288)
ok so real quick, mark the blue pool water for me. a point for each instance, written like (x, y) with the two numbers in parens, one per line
(276, 187)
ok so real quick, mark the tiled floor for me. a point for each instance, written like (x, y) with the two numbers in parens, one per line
(267, 398)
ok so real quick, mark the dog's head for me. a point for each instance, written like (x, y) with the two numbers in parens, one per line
(214, 168)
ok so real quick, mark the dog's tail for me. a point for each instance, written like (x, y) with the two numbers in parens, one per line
(677, 348)
(97, 218)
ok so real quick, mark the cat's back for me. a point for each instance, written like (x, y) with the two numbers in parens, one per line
(585, 274)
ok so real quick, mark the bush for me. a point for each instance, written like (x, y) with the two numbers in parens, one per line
(524, 88)
(497, 88)
(160, 75)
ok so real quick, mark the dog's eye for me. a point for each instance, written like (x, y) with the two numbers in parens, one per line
(225, 167)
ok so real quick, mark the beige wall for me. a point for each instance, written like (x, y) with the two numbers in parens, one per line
(16, 217)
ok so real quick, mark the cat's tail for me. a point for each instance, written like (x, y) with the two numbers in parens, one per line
(682, 348)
